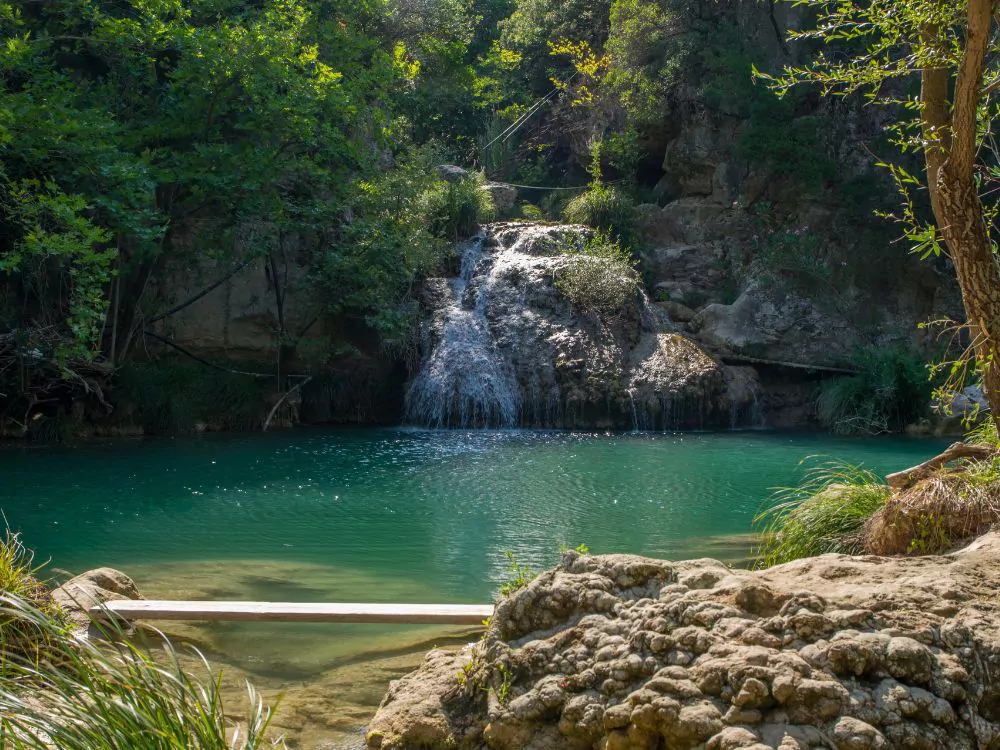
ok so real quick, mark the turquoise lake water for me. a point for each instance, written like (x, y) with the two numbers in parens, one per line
(387, 515)
(441, 506)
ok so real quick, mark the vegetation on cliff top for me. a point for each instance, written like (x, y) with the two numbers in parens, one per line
(142, 137)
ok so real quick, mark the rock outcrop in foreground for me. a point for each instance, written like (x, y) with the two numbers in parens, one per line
(620, 652)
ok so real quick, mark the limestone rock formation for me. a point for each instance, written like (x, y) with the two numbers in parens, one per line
(504, 196)
(91, 589)
(504, 347)
(625, 653)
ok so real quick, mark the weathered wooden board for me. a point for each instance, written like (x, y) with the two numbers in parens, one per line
(412, 614)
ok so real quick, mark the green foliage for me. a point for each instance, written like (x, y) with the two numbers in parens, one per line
(535, 23)
(504, 680)
(931, 535)
(91, 694)
(824, 513)
(518, 576)
(55, 244)
(19, 638)
(456, 209)
(581, 549)
(172, 396)
(890, 391)
(650, 44)
(785, 250)
(531, 212)
(600, 276)
(603, 207)
(786, 144)
(984, 434)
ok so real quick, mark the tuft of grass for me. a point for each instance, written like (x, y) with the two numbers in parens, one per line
(604, 207)
(18, 579)
(890, 391)
(519, 576)
(826, 512)
(18, 569)
(455, 210)
(984, 434)
(90, 694)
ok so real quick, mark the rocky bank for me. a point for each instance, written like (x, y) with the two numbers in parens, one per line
(620, 652)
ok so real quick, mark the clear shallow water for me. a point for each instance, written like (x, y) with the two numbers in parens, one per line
(387, 515)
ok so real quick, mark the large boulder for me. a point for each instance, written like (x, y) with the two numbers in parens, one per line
(626, 653)
(452, 172)
(92, 589)
(771, 322)
(504, 196)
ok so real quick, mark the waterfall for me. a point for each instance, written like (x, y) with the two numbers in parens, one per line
(464, 381)
(503, 347)
(743, 392)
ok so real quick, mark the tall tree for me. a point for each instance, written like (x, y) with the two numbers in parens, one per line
(953, 49)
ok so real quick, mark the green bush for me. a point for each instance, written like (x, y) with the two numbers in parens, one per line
(825, 513)
(785, 143)
(650, 44)
(531, 212)
(601, 275)
(94, 694)
(456, 209)
(890, 391)
(606, 208)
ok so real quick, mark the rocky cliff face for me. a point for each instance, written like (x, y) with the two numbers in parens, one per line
(503, 348)
(626, 653)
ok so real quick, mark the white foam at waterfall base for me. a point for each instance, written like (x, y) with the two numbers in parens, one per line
(465, 382)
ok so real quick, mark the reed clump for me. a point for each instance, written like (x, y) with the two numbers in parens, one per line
(825, 513)
(59, 689)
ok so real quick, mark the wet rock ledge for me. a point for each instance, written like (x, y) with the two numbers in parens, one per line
(626, 653)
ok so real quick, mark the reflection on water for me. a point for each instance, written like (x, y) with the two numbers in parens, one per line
(329, 678)
(382, 516)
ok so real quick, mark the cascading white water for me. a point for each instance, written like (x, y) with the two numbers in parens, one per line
(464, 381)
(504, 348)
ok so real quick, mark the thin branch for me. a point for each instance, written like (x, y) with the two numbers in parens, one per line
(289, 392)
(207, 290)
(196, 358)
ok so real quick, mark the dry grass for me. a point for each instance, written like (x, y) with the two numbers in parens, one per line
(937, 513)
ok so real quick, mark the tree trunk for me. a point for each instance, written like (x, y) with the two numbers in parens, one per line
(950, 145)
(978, 274)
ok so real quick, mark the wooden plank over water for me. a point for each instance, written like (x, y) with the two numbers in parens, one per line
(403, 614)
